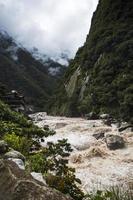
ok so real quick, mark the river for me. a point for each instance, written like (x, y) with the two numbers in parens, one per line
(96, 165)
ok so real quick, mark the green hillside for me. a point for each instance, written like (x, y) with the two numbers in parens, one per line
(20, 71)
(100, 78)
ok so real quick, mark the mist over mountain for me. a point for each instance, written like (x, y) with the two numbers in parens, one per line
(54, 27)
(34, 75)
(37, 42)
(98, 80)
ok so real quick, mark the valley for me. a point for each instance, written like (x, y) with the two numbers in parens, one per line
(66, 103)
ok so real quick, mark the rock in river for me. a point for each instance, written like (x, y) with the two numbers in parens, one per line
(114, 142)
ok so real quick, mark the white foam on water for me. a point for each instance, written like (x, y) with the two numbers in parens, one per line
(96, 171)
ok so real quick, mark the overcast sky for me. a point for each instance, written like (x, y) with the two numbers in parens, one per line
(53, 26)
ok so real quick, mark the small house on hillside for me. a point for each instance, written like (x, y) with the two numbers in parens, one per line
(16, 101)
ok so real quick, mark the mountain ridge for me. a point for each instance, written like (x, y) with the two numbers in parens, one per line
(99, 79)
(20, 70)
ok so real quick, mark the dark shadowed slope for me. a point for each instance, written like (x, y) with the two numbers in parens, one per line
(19, 70)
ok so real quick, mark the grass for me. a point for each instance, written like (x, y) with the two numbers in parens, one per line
(113, 193)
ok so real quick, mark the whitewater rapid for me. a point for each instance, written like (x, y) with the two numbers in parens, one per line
(96, 165)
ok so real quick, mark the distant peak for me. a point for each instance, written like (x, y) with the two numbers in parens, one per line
(4, 33)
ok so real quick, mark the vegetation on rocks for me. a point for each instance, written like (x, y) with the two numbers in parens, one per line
(18, 185)
(52, 162)
(104, 84)
(22, 135)
(99, 80)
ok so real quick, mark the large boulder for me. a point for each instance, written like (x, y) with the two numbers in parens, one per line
(38, 177)
(114, 142)
(104, 116)
(91, 116)
(16, 184)
(19, 162)
(60, 125)
(3, 147)
(99, 135)
(125, 127)
(14, 154)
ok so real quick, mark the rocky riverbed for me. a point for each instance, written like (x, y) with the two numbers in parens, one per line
(102, 156)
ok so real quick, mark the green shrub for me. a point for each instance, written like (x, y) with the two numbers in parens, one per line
(38, 163)
(22, 135)
(9, 128)
(21, 144)
(6, 114)
(52, 162)
(67, 184)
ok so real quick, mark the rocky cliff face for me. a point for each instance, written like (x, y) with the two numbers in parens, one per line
(16, 184)
(100, 77)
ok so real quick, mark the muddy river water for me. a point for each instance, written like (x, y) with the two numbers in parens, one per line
(96, 165)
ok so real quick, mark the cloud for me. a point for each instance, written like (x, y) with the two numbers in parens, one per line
(50, 25)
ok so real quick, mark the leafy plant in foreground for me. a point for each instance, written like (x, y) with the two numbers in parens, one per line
(52, 162)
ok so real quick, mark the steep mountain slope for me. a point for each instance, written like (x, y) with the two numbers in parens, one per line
(100, 78)
(19, 70)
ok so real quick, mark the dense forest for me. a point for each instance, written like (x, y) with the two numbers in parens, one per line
(20, 70)
(100, 78)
